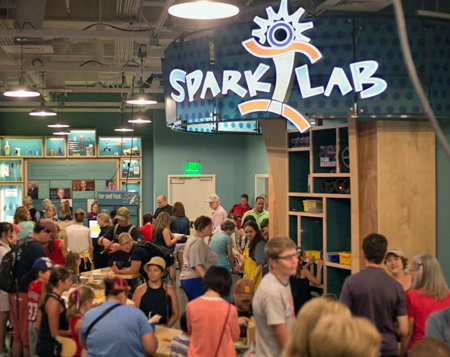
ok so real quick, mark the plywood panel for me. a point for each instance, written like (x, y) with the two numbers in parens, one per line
(274, 134)
(407, 186)
(367, 175)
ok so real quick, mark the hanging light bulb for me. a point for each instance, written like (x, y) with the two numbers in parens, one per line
(203, 10)
(141, 98)
(123, 127)
(61, 132)
(59, 123)
(43, 111)
(139, 118)
(22, 90)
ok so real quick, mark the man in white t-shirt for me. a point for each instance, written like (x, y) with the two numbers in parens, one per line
(273, 306)
(219, 214)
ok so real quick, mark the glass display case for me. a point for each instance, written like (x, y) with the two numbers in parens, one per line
(119, 146)
(10, 199)
(131, 186)
(82, 143)
(21, 146)
(130, 168)
(11, 170)
(55, 147)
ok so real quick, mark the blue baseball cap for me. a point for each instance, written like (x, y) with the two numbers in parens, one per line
(43, 264)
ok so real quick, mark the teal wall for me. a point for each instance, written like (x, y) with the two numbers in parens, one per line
(442, 204)
(234, 159)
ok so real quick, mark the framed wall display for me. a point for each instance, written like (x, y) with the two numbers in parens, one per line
(21, 146)
(130, 168)
(10, 199)
(119, 146)
(11, 170)
(55, 147)
(82, 143)
(132, 186)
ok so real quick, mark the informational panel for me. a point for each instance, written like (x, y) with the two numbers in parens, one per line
(77, 180)
(110, 200)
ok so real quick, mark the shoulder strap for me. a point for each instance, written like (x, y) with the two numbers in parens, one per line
(115, 230)
(223, 329)
(106, 312)
(131, 228)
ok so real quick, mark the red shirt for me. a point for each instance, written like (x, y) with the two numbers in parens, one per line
(34, 295)
(76, 337)
(420, 307)
(239, 211)
(146, 231)
(56, 256)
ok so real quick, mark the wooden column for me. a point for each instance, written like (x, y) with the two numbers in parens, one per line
(397, 184)
(274, 134)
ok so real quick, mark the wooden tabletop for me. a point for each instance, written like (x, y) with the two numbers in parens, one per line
(164, 336)
(107, 272)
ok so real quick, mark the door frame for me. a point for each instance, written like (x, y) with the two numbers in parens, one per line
(181, 177)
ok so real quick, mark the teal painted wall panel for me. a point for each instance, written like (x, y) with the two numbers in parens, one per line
(234, 159)
(442, 207)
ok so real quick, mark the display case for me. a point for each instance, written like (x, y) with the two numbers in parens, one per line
(119, 146)
(21, 146)
(82, 143)
(132, 186)
(10, 199)
(55, 147)
(131, 168)
(11, 170)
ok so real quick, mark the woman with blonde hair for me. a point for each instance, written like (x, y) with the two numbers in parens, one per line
(22, 219)
(78, 239)
(349, 337)
(307, 318)
(100, 257)
(161, 235)
(27, 202)
(121, 258)
(429, 293)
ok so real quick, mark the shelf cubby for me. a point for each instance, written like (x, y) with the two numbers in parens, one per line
(338, 225)
(335, 279)
(311, 229)
(298, 171)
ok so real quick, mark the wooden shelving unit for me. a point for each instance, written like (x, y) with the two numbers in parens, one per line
(329, 230)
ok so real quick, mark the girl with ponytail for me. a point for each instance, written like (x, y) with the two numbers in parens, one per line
(51, 320)
(80, 302)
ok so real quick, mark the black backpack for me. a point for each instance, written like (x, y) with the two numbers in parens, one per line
(8, 281)
(158, 250)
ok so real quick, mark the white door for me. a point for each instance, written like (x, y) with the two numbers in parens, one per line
(193, 192)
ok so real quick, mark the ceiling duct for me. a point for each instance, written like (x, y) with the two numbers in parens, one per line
(354, 5)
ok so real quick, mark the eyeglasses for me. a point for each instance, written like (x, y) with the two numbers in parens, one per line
(289, 257)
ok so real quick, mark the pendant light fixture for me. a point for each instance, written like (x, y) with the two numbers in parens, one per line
(203, 10)
(139, 118)
(22, 90)
(123, 127)
(59, 123)
(141, 98)
(61, 132)
(42, 110)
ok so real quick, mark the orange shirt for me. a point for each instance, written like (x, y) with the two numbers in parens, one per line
(206, 317)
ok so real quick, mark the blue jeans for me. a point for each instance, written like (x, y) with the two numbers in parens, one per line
(193, 288)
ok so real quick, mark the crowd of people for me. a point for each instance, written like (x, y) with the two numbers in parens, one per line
(385, 309)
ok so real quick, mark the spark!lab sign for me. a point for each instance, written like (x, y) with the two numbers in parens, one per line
(283, 54)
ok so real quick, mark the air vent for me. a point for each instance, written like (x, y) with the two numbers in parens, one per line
(29, 49)
(354, 5)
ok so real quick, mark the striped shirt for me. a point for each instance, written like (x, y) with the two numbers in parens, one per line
(179, 346)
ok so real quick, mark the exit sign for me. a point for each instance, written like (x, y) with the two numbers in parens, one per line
(192, 168)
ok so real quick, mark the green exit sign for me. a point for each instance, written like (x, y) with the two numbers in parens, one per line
(192, 168)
